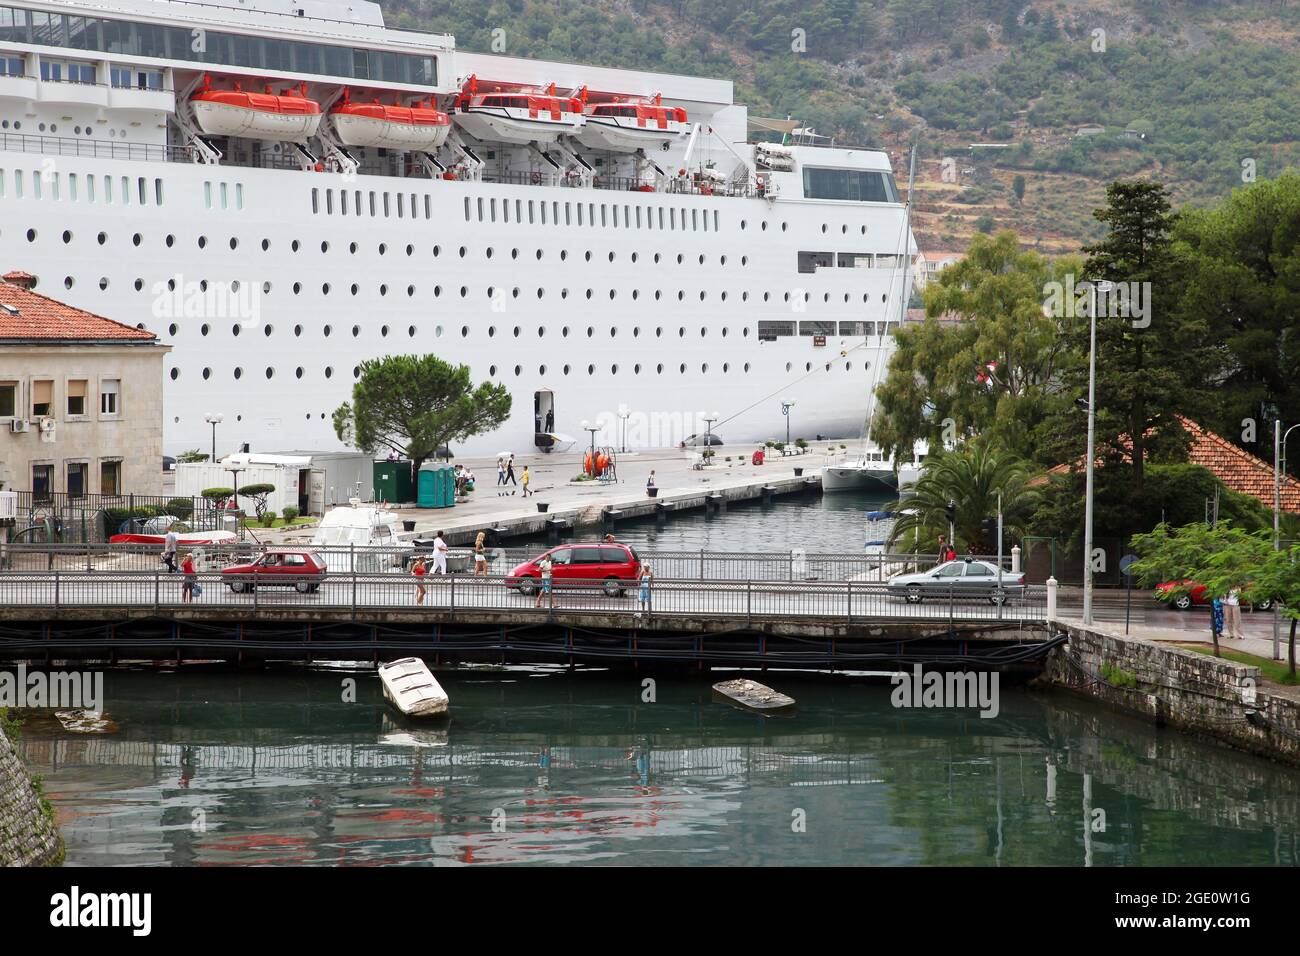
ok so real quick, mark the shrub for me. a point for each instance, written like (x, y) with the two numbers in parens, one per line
(801, 443)
(218, 496)
(267, 519)
(259, 492)
(289, 514)
(182, 508)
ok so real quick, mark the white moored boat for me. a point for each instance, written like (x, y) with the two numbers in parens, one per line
(410, 686)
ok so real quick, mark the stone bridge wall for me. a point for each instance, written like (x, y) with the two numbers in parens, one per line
(27, 836)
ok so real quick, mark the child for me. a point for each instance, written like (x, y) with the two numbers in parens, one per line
(524, 480)
(419, 569)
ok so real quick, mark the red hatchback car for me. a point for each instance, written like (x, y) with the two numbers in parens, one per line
(609, 566)
(282, 567)
(1194, 596)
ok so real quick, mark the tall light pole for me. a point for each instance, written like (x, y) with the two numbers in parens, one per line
(623, 414)
(1092, 422)
(589, 427)
(708, 432)
(785, 410)
(214, 419)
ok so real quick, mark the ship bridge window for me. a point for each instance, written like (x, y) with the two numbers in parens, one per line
(849, 185)
(812, 261)
(854, 260)
(769, 330)
(817, 328)
(890, 261)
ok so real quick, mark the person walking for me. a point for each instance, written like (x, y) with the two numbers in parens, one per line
(650, 482)
(170, 544)
(643, 595)
(510, 472)
(440, 551)
(190, 581)
(545, 567)
(1216, 618)
(501, 473)
(1232, 614)
(419, 569)
(480, 555)
(524, 480)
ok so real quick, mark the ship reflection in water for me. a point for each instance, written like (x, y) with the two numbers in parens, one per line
(273, 769)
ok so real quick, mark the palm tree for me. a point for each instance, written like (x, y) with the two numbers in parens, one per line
(971, 476)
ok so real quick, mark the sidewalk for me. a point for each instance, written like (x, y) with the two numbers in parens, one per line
(491, 505)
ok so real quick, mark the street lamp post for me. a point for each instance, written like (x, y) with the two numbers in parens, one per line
(234, 484)
(785, 410)
(708, 433)
(624, 413)
(214, 419)
(1092, 421)
(589, 427)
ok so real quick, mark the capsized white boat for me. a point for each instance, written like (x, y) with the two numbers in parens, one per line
(751, 695)
(410, 686)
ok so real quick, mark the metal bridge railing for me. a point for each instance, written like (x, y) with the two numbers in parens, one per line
(743, 600)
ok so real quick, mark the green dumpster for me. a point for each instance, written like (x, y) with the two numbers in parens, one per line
(437, 486)
(393, 482)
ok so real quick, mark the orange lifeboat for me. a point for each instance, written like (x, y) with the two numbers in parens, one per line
(419, 127)
(627, 124)
(286, 117)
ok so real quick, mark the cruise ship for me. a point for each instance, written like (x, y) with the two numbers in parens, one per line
(284, 188)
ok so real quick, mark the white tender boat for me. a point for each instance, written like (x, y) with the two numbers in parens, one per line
(627, 127)
(410, 686)
(361, 538)
(522, 117)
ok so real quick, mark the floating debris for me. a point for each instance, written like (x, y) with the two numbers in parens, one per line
(751, 695)
(86, 721)
(410, 686)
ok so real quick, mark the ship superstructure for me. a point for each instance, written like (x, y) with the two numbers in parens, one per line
(283, 188)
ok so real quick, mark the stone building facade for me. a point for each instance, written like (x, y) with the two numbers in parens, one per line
(81, 398)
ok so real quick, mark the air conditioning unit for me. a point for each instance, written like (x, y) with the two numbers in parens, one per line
(18, 425)
(47, 424)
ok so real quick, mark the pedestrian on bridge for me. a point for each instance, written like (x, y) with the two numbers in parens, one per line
(419, 570)
(647, 577)
(1232, 614)
(171, 542)
(545, 567)
(440, 551)
(480, 555)
(190, 581)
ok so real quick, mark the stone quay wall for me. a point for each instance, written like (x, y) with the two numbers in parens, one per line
(27, 836)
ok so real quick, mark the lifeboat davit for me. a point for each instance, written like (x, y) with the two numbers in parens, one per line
(286, 117)
(419, 127)
(521, 117)
(626, 126)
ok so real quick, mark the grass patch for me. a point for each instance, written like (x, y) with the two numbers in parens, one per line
(252, 522)
(1275, 671)
(1118, 677)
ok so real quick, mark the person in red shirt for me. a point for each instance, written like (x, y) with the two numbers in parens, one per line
(187, 588)
(419, 569)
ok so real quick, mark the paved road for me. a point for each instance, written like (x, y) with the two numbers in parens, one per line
(735, 599)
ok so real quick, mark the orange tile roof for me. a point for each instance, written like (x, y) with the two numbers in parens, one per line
(1237, 468)
(29, 316)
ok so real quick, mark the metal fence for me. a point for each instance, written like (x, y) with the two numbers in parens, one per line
(734, 600)
(93, 519)
(792, 566)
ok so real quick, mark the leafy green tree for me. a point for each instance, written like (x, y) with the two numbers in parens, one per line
(939, 384)
(1278, 579)
(415, 404)
(1150, 367)
(971, 477)
(1222, 558)
(218, 496)
(260, 493)
(1018, 186)
(191, 456)
(1243, 283)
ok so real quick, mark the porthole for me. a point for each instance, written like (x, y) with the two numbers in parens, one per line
(329, 372)
(356, 330)
(591, 370)
(788, 366)
(172, 329)
(564, 254)
(410, 331)
(541, 330)
(207, 373)
(139, 284)
(203, 329)
(68, 282)
(518, 371)
(437, 331)
(516, 332)
(489, 252)
(462, 252)
(613, 369)
(514, 253)
(564, 332)
(746, 366)
(634, 257)
(587, 255)
(356, 371)
(636, 369)
(681, 369)
(701, 260)
(681, 331)
(298, 372)
(784, 226)
(612, 293)
(566, 370)
(659, 369)
(203, 242)
(383, 248)
(175, 374)
(541, 370)
(703, 331)
(657, 295)
(763, 228)
(266, 330)
(588, 293)
(266, 244)
(636, 293)
(680, 295)
(636, 331)
(437, 291)
(410, 249)
(103, 283)
(564, 293)
(234, 243)
(102, 238)
(613, 331)
(464, 331)
(383, 331)
(744, 260)
(539, 255)
(234, 329)
(659, 331)
(590, 331)
(327, 330)
(297, 287)
(679, 258)
(726, 366)
(383, 289)
(294, 245)
(704, 367)
(169, 241)
(656, 258)
(540, 292)
(410, 291)
(823, 228)
(722, 260)
(67, 236)
(611, 257)
(239, 372)
(492, 371)
(437, 251)
(464, 291)
(325, 288)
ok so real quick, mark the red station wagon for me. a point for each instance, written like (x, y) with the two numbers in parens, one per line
(611, 566)
(282, 567)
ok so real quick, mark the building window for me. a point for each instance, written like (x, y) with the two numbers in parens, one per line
(110, 396)
(76, 397)
(42, 398)
(8, 399)
(78, 472)
(42, 482)
(110, 477)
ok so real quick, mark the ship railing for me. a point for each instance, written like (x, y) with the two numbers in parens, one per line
(93, 149)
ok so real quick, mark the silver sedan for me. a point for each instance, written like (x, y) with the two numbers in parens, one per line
(957, 579)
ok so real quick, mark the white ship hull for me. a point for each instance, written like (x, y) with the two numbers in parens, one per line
(852, 476)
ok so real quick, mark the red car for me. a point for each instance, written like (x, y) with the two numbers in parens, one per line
(281, 567)
(611, 566)
(1195, 596)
